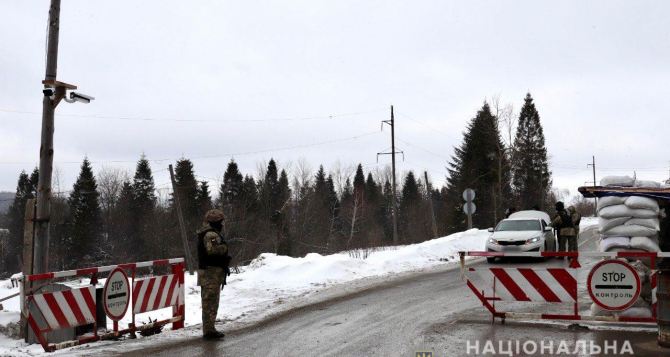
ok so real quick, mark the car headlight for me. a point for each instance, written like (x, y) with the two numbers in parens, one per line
(493, 241)
(533, 240)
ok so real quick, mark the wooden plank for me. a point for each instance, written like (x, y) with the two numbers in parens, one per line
(601, 191)
(56, 84)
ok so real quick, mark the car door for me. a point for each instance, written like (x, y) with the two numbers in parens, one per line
(549, 237)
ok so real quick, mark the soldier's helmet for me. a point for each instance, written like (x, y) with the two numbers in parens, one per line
(214, 215)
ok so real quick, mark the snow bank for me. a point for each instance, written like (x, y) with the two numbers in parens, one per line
(272, 282)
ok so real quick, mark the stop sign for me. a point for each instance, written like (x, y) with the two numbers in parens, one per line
(613, 285)
(116, 294)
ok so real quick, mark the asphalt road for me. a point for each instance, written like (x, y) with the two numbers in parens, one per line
(430, 312)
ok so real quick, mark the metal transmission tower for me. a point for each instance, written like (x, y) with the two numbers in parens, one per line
(394, 206)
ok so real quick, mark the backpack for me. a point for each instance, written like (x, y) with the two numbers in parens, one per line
(566, 220)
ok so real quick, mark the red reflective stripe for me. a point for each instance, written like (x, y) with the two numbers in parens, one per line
(161, 262)
(159, 292)
(56, 310)
(560, 317)
(136, 291)
(171, 290)
(566, 280)
(87, 271)
(36, 277)
(72, 302)
(539, 285)
(511, 286)
(147, 295)
(90, 301)
(127, 266)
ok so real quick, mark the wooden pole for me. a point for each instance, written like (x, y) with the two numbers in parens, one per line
(41, 248)
(395, 200)
(27, 266)
(182, 225)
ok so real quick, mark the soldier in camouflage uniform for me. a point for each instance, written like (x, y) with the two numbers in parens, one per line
(213, 261)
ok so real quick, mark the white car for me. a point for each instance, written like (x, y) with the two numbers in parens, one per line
(523, 231)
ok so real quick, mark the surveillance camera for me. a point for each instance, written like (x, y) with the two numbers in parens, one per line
(78, 97)
(48, 92)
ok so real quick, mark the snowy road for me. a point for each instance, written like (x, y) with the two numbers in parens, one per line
(429, 312)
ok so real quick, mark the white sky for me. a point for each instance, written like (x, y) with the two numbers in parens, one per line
(598, 71)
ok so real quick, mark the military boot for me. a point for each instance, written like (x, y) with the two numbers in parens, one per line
(215, 335)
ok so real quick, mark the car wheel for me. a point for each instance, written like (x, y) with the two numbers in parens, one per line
(490, 260)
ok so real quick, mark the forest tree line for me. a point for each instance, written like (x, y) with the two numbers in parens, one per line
(112, 217)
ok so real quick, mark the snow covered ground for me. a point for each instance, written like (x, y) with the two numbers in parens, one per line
(272, 284)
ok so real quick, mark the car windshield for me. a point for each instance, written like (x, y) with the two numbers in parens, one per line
(518, 225)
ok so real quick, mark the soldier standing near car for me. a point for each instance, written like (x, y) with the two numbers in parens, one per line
(565, 229)
(576, 219)
(213, 268)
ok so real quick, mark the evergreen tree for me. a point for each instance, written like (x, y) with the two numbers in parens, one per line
(26, 188)
(187, 188)
(231, 189)
(124, 237)
(530, 168)
(359, 185)
(144, 205)
(479, 163)
(203, 199)
(84, 202)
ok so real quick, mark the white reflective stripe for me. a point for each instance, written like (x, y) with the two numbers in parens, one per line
(525, 285)
(140, 296)
(482, 279)
(558, 288)
(88, 314)
(153, 293)
(66, 309)
(523, 315)
(166, 290)
(176, 260)
(181, 294)
(46, 311)
(500, 290)
(174, 300)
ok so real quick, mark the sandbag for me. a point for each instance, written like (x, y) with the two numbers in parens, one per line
(642, 202)
(609, 243)
(599, 311)
(605, 224)
(636, 312)
(610, 201)
(620, 181)
(622, 210)
(644, 243)
(647, 184)
(629, 231)
(645, 222)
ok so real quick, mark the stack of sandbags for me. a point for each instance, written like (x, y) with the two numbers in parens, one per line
(630, 223)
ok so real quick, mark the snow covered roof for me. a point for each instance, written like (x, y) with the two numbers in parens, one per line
(531, 214)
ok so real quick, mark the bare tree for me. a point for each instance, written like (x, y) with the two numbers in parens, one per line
(110, 182)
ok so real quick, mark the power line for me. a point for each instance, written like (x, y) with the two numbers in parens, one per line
(163, 119)
(285, 148)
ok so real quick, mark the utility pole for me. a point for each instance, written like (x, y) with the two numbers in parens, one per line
(593, 164)
(432, 209)
(41, 256)
(182, 226)
(394, 208)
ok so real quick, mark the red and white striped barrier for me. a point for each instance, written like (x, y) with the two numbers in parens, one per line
(544, 285)
(525, 284)
(77, 307)
(156, 293)
(69, 308)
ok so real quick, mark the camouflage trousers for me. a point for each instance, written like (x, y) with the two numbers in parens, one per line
(571, 243)
(210, 281)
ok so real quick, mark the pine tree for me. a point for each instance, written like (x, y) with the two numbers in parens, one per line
(530, 168)
(84, 202)
(481, 164)
(26, 188)
(231, 189)
(124, 235)
(203, 199)
(187, 188)
(144, 205)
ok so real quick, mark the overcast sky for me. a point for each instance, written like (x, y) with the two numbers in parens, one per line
(311, 80)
